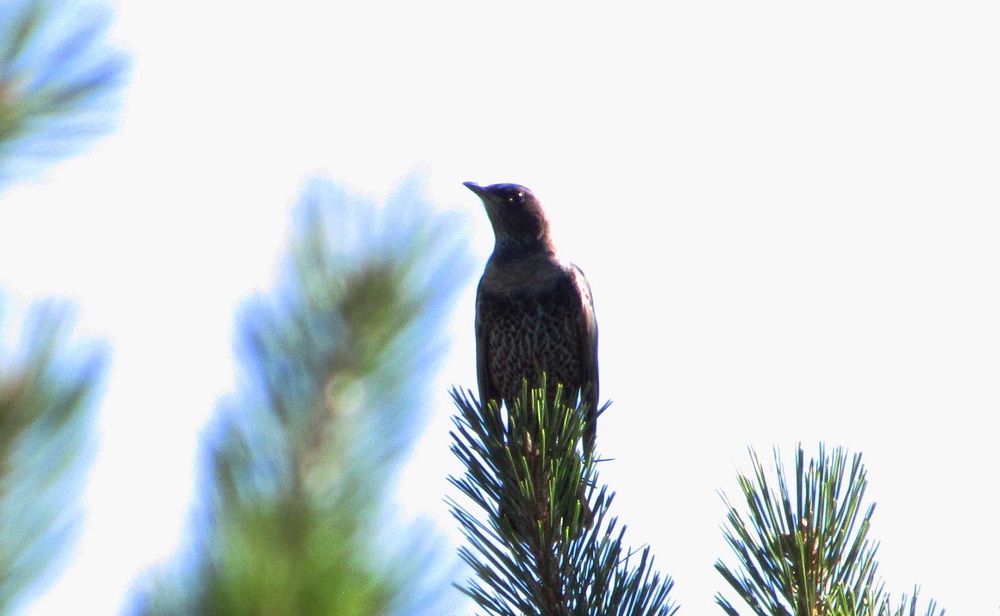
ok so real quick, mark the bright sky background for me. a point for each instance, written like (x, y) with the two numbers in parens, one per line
(789, 215)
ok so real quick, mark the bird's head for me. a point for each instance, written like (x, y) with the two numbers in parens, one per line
(516, 215)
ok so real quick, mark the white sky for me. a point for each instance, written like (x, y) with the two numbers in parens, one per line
(789, 216)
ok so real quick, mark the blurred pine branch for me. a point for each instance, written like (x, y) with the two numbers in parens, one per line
(334, 368)
(59, 81)
(47, 386)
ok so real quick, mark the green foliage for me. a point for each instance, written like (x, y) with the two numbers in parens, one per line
(548, 545)
(47, 386)
(908, 607)
(807, 552)
(841, 603)
(58, 80)
(332, 393)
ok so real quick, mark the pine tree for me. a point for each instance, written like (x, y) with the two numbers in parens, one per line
(48, 382)
(531, 548)
(58, 84)
(804, 550)
(333, 363)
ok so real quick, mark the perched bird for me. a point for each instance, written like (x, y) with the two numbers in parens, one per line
(534, 311)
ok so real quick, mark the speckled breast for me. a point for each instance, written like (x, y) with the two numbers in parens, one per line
(527, 335)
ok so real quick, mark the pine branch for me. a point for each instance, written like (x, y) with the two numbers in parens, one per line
(908, 606)
(47, 383)
(807, 552)
(59, 80)
(844, 603)
(303, 455)
(541, 535)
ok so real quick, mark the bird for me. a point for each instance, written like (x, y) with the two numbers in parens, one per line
(534, 310)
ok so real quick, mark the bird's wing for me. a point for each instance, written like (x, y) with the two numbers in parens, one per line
(587, 328)
(484, 314)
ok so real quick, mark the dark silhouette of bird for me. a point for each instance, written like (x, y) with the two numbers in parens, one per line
(534, 311)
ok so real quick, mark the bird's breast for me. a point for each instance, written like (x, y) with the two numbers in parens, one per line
(531, 328)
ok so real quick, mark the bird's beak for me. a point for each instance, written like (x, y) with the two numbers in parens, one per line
(476, 188)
